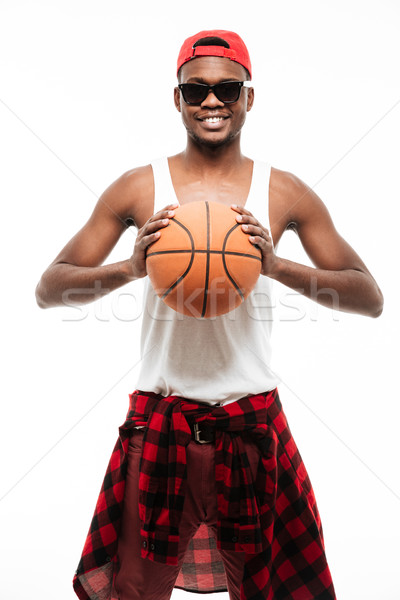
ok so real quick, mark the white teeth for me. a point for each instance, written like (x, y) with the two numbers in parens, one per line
(213, 119)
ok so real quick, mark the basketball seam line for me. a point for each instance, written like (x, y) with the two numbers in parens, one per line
(224, 261)
(227, 252)
(205, 297)
(190, 264)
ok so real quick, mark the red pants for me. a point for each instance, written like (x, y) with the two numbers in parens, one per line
(143, 579)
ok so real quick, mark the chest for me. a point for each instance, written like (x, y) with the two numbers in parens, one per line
(227, 191)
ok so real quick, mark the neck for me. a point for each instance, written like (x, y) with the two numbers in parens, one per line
(200, 157)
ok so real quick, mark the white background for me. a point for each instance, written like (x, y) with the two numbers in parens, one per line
(86, 94)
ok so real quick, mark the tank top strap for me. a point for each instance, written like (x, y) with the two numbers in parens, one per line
(258, 200)
(164, 192)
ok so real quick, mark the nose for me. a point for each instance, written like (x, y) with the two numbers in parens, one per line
(211, 101)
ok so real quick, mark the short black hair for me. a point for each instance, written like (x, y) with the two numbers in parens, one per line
(211, 41)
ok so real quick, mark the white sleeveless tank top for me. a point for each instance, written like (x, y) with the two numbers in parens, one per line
(217, 360)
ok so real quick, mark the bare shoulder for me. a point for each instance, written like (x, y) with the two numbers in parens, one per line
(131, 196)
(302, 210)
(293, 202)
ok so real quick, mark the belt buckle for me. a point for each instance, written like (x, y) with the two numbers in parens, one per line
(197, 432)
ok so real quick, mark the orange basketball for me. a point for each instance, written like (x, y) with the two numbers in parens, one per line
(203, 264)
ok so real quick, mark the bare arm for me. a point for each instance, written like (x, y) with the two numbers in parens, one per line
(77, 276)
(340, 280)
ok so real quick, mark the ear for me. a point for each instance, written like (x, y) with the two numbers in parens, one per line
(250, 98)
(177, 99)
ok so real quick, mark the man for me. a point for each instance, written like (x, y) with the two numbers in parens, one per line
(206, 453)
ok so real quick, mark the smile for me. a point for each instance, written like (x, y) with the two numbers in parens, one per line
(213, 119)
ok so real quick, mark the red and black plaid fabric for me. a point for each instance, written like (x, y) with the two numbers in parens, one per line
(274, 519)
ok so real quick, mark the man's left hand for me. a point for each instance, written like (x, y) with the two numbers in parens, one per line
(259, 236)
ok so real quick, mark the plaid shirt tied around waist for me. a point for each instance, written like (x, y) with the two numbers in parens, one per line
(273, 519)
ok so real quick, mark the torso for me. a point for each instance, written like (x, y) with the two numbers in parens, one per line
(227, 190)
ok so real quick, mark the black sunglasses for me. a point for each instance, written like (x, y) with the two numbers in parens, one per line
(227, 92)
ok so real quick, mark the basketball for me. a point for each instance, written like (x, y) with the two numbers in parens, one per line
(203, 265)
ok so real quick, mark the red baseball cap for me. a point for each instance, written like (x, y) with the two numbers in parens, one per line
(215, 42)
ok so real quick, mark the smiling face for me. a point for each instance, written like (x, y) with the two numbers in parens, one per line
(213, 123)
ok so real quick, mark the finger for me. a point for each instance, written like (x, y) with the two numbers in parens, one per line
(248, 218)
(150, 231)
(147, 240)
(258, 234)
(260, 241)
(245, 216)
(240, 209)
(158, 219)
(162, 214)
(150, 228)
(154, 225)
(172, 206)
(256, 230)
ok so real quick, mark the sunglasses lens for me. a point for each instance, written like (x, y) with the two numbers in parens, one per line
(228, 92)
(194, 93)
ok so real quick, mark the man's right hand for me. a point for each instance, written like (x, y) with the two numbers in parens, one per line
(147, 235)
